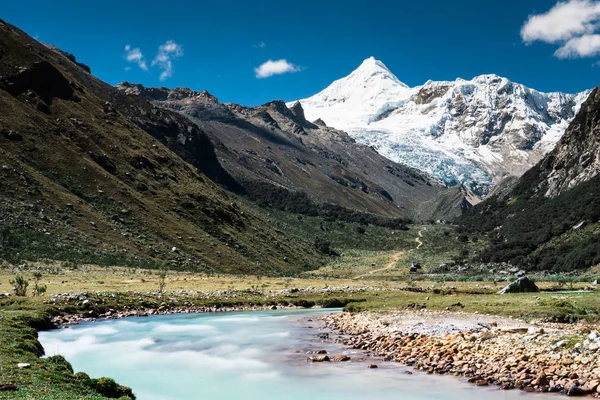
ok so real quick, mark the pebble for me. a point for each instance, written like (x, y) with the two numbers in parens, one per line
(533, 359)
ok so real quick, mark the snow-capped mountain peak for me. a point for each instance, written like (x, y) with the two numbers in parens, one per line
(371, 87)
(473, 132)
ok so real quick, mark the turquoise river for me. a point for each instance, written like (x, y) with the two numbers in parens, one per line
(244, 355)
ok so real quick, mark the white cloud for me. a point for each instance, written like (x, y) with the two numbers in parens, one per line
(260, 45)
(134, 55)
(164, 58)
(277, 67)
(580, 47)
(574, 25)
(562, 22)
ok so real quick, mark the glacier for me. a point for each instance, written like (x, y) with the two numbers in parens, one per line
(472, 132)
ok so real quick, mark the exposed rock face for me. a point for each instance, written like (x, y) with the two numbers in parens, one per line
(276, 144)
(299, 117)
(521, 285)
(426, 95)
(319, 122)
(71, 58)
(576, 158)
(201, 105)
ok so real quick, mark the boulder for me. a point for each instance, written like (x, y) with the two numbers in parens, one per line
(319, 358)
(342, 358)
(541, 380)
(521, 285)
(8, 387)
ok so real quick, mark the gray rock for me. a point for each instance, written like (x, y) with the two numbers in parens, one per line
(521, 285)
(318, 358)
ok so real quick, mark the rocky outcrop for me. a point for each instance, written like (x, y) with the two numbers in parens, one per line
(70, 57)
(299, 117)
(576, 157)
(41, 79)
(521, 285)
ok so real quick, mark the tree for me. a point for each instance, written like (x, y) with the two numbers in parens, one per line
(38, 289)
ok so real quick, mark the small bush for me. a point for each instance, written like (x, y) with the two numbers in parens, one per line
(162, 281)
(60, 363)
(111, 389)
(352, 307)
(305, 303)
(324, 247)
(20, 285)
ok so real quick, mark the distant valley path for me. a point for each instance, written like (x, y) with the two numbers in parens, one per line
(397, 256)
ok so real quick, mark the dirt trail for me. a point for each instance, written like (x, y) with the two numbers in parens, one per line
(418, 240)
(395, 258)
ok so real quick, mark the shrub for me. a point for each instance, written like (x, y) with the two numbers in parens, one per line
(323, 246)
(20, 285)
(267, 195)
(111, 389)
(524, 226)
(162, 281)
(60, 363)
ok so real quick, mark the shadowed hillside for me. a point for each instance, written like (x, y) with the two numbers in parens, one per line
(550, 220)
(86, 175)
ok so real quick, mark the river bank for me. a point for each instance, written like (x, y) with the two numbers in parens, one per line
(541, 357)
(24, 375)
(21, 317)
(257, 355)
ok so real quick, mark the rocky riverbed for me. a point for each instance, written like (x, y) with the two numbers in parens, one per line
(487, 350)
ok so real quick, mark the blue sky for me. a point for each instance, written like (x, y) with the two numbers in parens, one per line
(217, 45)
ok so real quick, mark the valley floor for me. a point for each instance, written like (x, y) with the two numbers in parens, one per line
(89, 292)
(371, 279)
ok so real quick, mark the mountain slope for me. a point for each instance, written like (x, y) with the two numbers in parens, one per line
(277, 145)
(471, 132)
(550, 220)
(86, 176)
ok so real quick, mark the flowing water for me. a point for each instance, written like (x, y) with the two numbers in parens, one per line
(245, 355)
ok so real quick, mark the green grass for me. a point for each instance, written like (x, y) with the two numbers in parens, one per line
(50, 378)
(545, 306)
(443, 245)
(20, 244)
(53, 378)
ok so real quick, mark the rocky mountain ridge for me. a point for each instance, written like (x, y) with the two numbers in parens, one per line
(550, 218)
(277, 144)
